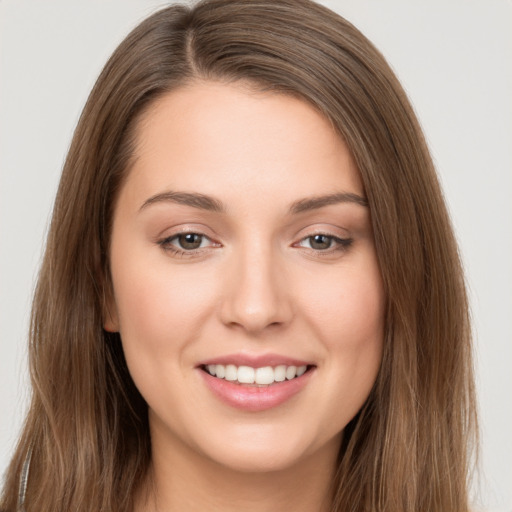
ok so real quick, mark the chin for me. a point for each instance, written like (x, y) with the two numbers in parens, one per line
(268, 450)
(258, 461)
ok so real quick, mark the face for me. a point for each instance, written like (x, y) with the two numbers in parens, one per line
(247, 291)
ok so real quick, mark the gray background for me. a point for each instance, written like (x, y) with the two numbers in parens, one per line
(453, 57)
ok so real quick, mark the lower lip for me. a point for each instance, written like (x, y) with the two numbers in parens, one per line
(254, 398)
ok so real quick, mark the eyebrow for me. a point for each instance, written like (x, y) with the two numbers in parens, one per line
(194, 199)
(314, 203)
(208, 203)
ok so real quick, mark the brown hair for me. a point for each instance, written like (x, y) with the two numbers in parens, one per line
(87, 430)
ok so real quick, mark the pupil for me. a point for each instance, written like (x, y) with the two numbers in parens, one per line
(320, 242)
(190, 241)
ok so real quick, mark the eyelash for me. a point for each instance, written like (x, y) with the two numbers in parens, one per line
(341, 244)
(167, 246)
(337, 244)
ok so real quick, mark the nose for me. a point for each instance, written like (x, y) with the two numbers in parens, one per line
(256, 296)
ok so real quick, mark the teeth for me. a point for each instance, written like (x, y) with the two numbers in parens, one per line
(280, 373)
(262, 376)
(291, 371)
(245, 375)
(231, 372)
(301, 370)
(220, 371)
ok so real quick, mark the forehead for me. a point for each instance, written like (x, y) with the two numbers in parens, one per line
(216, 138)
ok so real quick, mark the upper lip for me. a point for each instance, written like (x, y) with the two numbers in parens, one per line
(255, 360)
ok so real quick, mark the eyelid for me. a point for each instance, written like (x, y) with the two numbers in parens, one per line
(176, 238)
(165, 242)
(341, 242)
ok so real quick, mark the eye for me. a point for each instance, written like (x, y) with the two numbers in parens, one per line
(189, 241)
(183, 243)
(322, 242)
(319, 242)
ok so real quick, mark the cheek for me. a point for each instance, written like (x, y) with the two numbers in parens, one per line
(160, 313)
(348, 311)
(159, 309)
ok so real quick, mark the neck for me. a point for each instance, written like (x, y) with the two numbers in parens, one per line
(185, 480)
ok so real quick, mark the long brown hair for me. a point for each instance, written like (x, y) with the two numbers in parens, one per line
(86, 435)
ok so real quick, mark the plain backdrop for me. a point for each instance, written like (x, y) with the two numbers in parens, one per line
(454, 59)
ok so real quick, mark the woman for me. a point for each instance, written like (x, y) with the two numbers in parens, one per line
(251, 295)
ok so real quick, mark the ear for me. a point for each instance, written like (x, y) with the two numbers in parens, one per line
(109, 309)
(110, 321)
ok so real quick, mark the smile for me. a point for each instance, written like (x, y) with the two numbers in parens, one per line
(256, 383)
(263, 376)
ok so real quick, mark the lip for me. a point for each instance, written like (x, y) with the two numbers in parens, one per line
(255, 361)
(252, 398)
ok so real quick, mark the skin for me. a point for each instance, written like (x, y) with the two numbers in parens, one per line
(256, 285)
